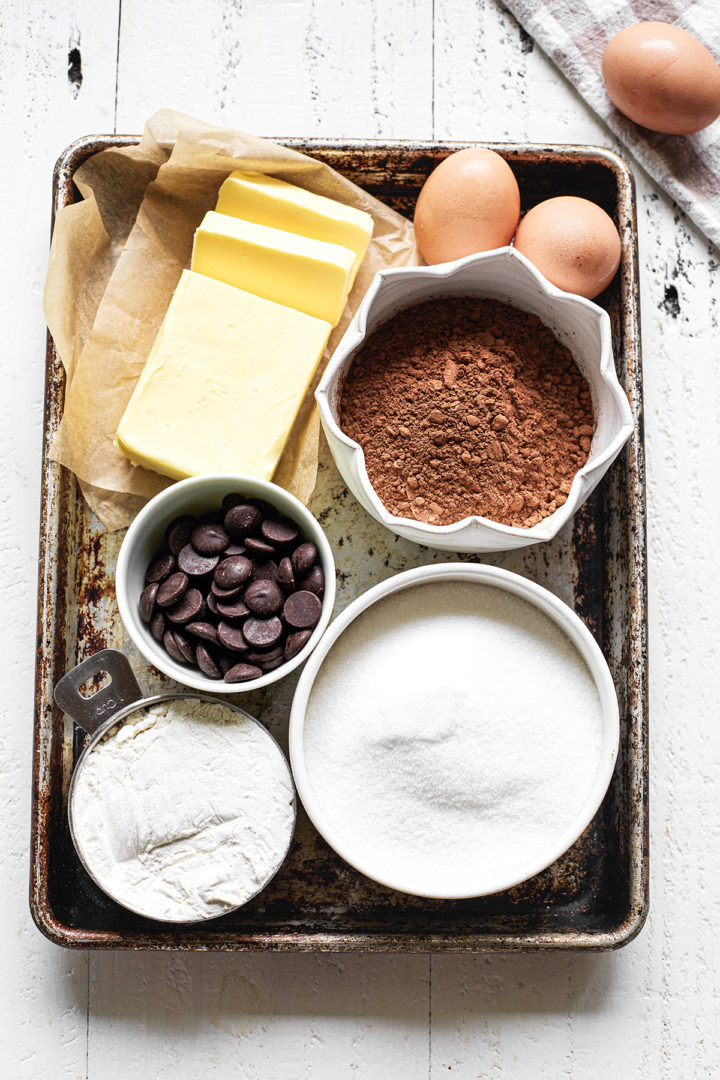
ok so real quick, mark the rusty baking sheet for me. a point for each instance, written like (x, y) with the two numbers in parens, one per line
(595, 896)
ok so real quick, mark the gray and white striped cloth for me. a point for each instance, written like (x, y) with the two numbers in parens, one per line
(574, 34)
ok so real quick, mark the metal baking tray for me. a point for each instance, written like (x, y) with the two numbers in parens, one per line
(596, 895)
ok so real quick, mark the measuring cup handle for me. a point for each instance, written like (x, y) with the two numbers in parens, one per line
(91, 712)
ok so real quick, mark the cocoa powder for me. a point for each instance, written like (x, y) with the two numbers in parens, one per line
(466, 406)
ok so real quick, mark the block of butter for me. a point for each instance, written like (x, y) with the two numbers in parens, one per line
(309, 275)
(269, 201)
(223, 383)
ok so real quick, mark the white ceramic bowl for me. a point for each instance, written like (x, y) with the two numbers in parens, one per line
(146, 534)
(471, 574)
(505, 275)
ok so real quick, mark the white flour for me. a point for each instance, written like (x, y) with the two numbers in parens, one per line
(184, 810)
(451, 725)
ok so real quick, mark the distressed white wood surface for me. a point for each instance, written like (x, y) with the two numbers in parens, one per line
(458, 69)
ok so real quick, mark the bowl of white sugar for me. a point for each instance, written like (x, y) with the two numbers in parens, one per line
(455, 731)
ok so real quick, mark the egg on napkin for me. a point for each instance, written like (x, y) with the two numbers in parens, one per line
(662, 78)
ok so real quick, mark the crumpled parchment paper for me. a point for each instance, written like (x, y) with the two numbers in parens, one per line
(115, 260)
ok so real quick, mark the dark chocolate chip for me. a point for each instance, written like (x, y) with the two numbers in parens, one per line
(270, 665)
(285, 577)
(157, 626)
(161, 567)
(209, 539)
(225, 594)
(259, 548)
(192, 562)
(233, 572)
(232, 637)
(241, 521)
(265, 571)
(147, 601)
(234, 549)
(226, 661)
(178, 533)
(171, 590)
(242, 673)
(295, 642)
(256, 655)
(302, 609)
(282, 531)
(314, 582)
(184, 644)
(212, 607)
(189, 608)
(264, 597)
(205, 662)
(204, 630)
(171, 647)
(262, 633)
(303, 557)
(233, 609)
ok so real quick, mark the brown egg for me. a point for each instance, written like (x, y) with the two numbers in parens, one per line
(470, 202)
(573, 242)
(662, 77)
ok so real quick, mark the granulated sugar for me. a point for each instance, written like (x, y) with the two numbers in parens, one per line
(451, 727)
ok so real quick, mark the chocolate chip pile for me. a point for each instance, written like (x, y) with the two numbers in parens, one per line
(235, 593)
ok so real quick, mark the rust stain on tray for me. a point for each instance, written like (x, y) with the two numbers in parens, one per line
(595, 896)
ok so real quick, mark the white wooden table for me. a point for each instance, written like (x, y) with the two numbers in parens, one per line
(391, 69)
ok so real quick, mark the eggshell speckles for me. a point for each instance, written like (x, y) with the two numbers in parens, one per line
(469, 203)
(573, 242)
(662, 77)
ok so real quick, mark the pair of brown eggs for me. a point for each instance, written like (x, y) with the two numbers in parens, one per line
(471, 202)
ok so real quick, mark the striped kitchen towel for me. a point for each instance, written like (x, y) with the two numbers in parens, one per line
(574, 34)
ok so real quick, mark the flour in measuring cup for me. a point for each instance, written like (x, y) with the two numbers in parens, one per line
(184, 810)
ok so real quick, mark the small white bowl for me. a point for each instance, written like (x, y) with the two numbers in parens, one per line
(505, 275)
(145, 536)
(580, 637)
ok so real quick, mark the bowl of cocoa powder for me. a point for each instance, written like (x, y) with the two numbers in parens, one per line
(472, 406)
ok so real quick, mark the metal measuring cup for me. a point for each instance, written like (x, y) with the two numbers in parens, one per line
(109, 707)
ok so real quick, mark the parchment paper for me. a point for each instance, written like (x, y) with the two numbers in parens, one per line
(115, 260)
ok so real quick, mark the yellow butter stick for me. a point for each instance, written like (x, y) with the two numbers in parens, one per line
(266, 200)
(223, 383)
(309, 275)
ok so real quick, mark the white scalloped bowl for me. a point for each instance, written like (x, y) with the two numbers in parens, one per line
(507, 276)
